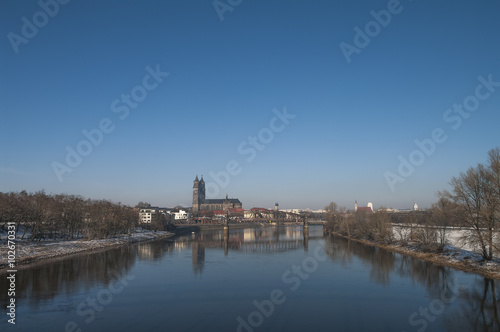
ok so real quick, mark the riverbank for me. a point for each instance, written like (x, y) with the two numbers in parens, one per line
(451, 256)
(29, 252)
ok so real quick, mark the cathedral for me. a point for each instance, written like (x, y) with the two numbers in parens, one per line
(200, 203)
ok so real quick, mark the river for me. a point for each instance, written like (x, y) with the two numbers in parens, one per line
(255, 279)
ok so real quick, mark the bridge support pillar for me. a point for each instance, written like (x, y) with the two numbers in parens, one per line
(226, 222)
(226, 241)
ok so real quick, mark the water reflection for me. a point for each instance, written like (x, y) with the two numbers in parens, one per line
(254, 240)
(155, 250)
(198, 249)
(44, 280)
(474, 308)
(384, 263)
(479, 310)
(262, 240)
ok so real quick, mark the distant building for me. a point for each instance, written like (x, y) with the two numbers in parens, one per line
(297, 211)
(148, 214)
(248, 214)
(257, 213)
(414, 209)
(181, 215)
(200, 203)
(268, 214)
(368, 208)
(231, 212)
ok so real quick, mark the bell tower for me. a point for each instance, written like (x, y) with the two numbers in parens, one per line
(196, 195)
(202, 190)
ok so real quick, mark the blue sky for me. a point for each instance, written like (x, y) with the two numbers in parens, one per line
(347, 123)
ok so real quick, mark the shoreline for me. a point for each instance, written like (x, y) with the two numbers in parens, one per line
(28, 253)
(445, 258)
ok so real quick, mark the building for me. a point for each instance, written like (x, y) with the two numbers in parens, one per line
(181, 215)
(200, 203)
(148, 214)
(298, 211)
(368, 208)
(257, 213)
(231, 212)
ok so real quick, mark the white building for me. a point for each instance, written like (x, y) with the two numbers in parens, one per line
(182, 215)
(298, 211)
(148, 214)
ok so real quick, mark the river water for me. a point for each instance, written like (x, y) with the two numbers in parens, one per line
(255, 279)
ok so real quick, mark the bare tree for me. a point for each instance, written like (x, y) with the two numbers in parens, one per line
(443, 214)
(142, 204)
(40, 216)
(380, 227)
(346, 222)
(404, 232)
(331, 216)
(476, 192)
(494, 186)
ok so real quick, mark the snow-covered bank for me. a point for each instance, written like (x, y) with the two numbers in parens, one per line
(453, 256)
(454, 237)
(27, 251)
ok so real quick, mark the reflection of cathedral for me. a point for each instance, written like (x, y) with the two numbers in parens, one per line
(198, 259)
(200, 203)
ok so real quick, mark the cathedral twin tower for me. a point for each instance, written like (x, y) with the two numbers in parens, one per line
(198, 193)
(200, 203)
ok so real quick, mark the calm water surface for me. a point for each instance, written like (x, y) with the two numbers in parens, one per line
(259, 279)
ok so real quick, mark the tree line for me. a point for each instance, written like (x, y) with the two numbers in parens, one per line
(39, 216)
(472, 204)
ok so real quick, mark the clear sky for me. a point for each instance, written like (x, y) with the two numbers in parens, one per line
(289, 96)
